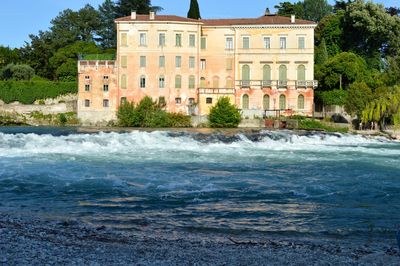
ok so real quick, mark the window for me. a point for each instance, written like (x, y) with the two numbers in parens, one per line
(203, 43)
(161, 82)
(300, 102)
(105, 77)
(246, 42)
(209, 100)
(192, 82)
(301, 42)
(178, 40)
(266, 73)
(105, 87)
(178, 82)
(178, 100)
(191, 101)
(229, 43)
(229, 82)
(229, 64)
(124, 39)
(191, 62)
(142, 39)
(161, 101)
(123, 81)
(87, 87)
(282, 42)
(282, 102)
(142, 82)
(142, 61)
(161, 61)
(246, 73)
(202, 82)
(267, 42)
(215, 82)
(301, 73)
(266, 102)
(245, 101)
(123, 100)
(87, 103)
(105, 103)
(87, 77)
(192, 40)
(178, 61)
(161, 39)
(202, 64)
(124, 61)
(282, 73)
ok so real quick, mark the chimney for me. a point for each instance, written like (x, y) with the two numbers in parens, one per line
(267, 12)
(293, 19)
(152, 15)
(133, 15)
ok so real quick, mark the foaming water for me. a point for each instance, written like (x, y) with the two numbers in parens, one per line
(277, 182)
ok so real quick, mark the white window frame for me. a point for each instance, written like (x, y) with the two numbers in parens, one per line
(229, 43)
(142, 39)
(248, 42)
(192, 40)
(282, 42)
(267, 42)
(161, 39)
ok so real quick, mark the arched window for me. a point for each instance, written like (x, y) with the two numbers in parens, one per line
(192, 82)
(245, 73)
(215, 82)
(266, 73)
(300, 102)
(142, 81)
(266, 102)
(245, 101)
(301, 73)
(229, 82)
(282, 102)
(202, 82)
(178, 81)
(282, 73)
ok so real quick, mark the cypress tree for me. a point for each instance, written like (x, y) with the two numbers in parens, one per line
(194, 11)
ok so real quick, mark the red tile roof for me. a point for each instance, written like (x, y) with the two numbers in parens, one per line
(263, 20)
(158, 18)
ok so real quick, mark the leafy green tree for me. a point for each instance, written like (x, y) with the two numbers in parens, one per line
(321, 53)
(8, 56)
(315, 10)
(342, 70)
(370, 30)
(385, 107)
(126, 114)
(194, 11)
(65, 59)
(358, 97)
(125, 7)
(391, 75)
(287, 9)
(107, 32)
(224, 114)
(17, 72)
(330, 29)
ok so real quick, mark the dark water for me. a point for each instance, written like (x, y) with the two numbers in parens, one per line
(283, 183)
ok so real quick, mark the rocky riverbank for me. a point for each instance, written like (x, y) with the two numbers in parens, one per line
(44, 241)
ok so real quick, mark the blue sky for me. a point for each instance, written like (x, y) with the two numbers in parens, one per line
(20, 18)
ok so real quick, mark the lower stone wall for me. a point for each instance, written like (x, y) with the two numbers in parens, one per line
(97, 118)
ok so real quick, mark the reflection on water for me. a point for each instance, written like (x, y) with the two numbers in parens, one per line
(276, 182)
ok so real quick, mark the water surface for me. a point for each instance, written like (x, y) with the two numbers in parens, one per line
(279, 182)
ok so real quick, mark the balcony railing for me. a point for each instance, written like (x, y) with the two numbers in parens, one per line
(276, 84)
(216, 91)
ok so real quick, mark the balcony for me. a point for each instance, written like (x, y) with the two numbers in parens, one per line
(216, 91)
(276, 84)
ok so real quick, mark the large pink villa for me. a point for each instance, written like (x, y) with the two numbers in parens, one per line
(262, 64)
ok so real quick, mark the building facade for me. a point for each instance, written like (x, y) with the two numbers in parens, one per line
(263, 65)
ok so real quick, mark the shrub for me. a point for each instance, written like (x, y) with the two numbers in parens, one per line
(149, 114)
(17, 72)
(27, 92)
(62, 119)
(224, 114)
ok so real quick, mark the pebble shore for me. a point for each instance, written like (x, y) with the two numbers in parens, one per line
(25, 240)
